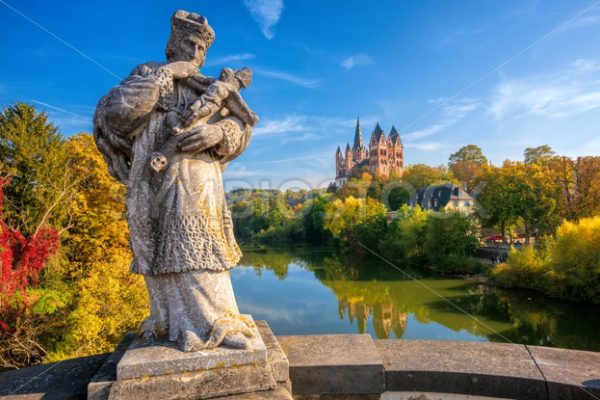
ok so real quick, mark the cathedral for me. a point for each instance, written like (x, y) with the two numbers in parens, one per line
(384, 157)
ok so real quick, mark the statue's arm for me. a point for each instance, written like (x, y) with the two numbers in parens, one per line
(124, 112)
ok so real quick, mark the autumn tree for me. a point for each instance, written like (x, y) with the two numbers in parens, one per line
(420, 175)
(355, 220)
(468, 164)
(526, 192)
(108, 300)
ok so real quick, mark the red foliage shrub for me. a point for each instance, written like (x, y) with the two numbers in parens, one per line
(21, 260)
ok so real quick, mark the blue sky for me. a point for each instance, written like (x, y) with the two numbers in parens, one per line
(504, 75)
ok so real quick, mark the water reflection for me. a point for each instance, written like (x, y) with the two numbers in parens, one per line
(316, 291)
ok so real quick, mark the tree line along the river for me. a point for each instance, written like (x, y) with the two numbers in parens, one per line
(65, 289)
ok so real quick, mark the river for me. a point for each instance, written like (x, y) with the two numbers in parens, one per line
(318, 291)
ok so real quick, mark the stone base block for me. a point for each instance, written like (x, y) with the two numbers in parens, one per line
(157, 358)
(196, 385)
(149, 371)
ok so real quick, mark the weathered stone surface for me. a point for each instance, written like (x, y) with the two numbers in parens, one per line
(279, 393)
(571, 374)
(196, 385)
(334, 364)
(488, 369)
(151, 358)
(99, 386)
(275, 355)
(60, 380)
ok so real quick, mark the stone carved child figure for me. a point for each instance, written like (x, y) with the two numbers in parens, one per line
(221, 95)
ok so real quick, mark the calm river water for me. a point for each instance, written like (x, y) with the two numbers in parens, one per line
(315, 291)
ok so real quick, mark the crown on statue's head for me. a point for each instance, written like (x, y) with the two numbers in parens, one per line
(187, 23)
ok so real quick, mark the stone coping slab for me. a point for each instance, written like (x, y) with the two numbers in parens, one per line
(472, 368)
(277, 359)
(570, 374)
(433, 396)
(334, 364)
(156, 358)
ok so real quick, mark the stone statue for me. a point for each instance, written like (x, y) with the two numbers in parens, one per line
(167, 132)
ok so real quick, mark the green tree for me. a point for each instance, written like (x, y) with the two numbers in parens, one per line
(33, 156)
(469, 153)
(405, 237)
(497, 205)
(420, 175)
(538, 154)
(450, 241)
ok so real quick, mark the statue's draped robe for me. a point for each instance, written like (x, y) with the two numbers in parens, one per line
(180, 228)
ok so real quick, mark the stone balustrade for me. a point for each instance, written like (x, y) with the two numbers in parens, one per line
(347, 367)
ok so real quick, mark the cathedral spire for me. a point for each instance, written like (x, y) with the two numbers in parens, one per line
(358, 141)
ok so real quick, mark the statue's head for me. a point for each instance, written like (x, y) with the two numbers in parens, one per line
(191, 36)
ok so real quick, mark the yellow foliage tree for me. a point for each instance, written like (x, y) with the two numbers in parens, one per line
(108, 300)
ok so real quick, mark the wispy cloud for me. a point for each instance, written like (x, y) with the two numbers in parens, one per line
(356, 61)
(291, 78)
(584, 21)
(52, 107)
(289, 124)
(315, 126)
(451, 113)
(230, 59)
(69, 122)
(266, 13)
(456, 35)
(561, 94)
(428, 146)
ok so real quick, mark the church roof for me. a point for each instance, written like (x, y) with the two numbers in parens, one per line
(347, 146)
(395, 136)
(338, 151)
(377, 133)
(358, 140)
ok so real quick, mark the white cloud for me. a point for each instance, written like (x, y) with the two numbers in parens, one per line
(556, 95)
(451, 113)
(356, 61)
(289, 124)
(427, 146)
(284, 76)
(230, 58)
(266, 13)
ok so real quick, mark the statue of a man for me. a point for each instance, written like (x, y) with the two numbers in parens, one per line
(180, 227)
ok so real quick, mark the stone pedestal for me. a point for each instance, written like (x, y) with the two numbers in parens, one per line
(159, 370)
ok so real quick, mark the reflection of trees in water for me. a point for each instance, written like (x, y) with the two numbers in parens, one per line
(369, 289)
